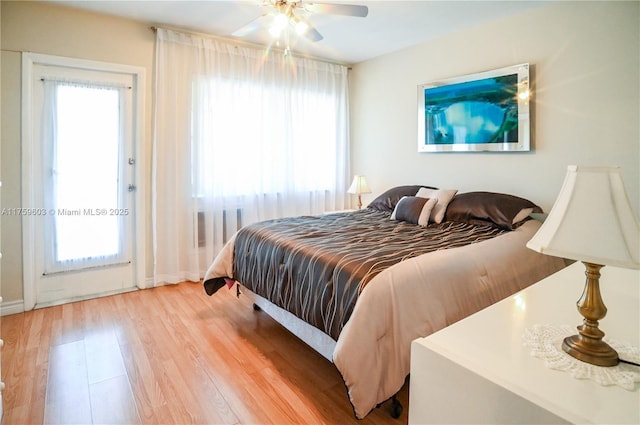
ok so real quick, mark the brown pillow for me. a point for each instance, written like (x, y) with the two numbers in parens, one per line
(488, 208)
(414, 210)
(388, 200)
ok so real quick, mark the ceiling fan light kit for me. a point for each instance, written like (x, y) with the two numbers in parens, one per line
(290, 14)
(279, 24)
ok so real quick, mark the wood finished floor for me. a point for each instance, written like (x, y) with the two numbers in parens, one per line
(168, 355)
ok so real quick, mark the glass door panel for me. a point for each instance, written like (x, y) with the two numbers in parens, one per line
(86, 176)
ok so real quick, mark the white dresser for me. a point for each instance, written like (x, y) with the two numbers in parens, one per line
(478, 370)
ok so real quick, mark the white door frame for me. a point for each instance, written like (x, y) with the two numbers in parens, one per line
(29, 141)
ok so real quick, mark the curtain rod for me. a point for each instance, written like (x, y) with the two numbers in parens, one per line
(102, 84)
(243, 44)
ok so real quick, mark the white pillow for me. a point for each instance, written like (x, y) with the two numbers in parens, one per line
(524, 213)
(414, 210)
(444, 196)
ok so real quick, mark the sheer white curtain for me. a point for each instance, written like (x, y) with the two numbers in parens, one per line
(239, 137)
(81, 152)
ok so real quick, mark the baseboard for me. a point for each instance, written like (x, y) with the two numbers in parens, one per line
(149, 282)
(85, 297)
(11, 307)
(14, 307)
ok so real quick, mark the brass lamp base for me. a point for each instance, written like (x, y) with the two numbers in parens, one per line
(599, 354)
(588, 345)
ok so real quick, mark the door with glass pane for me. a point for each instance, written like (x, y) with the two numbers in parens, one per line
(83, 124)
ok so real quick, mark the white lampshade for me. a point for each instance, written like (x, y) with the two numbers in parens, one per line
(591, 220)
(359, 186)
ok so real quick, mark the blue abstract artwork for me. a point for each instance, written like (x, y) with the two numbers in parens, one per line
(482, 111)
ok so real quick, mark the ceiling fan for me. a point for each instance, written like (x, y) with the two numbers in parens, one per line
(286, 14)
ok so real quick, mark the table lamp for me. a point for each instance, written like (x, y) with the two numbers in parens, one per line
(592, 222)
(358, 187)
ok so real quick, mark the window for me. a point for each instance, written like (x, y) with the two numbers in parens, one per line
(85, 173)
(248, 139)
(239, 137)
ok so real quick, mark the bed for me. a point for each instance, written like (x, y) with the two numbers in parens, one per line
(359, 286)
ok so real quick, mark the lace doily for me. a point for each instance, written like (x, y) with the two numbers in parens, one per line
(545, 342)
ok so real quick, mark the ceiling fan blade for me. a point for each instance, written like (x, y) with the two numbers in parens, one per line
(338, 9)
(313, 34)
(302, 26)
(249, 28)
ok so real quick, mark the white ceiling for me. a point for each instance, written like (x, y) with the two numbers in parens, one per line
(390, 25)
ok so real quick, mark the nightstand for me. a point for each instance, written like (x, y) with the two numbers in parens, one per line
(478, 370)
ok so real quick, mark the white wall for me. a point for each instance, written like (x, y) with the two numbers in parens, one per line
(586, 108)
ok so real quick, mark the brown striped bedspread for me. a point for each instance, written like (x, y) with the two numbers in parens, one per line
(315, 267)
(374, 285)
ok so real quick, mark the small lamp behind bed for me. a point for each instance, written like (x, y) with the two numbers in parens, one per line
(358, 187)
(591, 221)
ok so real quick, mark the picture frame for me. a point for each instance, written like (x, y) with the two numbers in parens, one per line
(485, 111)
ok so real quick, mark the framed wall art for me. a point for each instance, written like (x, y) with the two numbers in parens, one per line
(486, 111)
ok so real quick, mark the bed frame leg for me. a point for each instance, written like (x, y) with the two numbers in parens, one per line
(396, 408)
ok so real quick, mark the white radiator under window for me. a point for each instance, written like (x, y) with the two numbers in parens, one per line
(231, 223)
